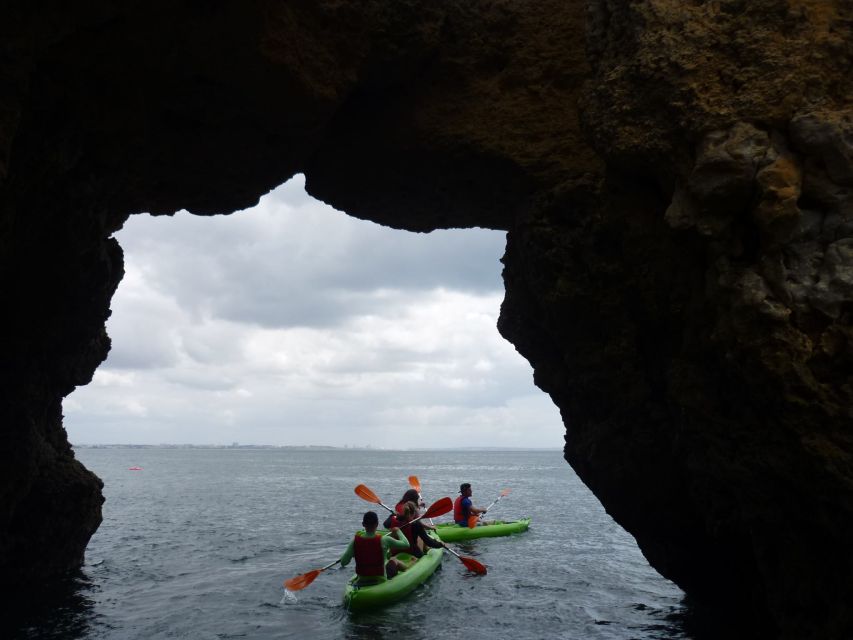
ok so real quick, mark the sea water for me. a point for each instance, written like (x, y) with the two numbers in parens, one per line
(197, 544)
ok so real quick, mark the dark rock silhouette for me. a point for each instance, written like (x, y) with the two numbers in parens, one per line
(675, 178)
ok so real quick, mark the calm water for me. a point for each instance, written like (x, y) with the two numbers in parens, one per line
(197, 544)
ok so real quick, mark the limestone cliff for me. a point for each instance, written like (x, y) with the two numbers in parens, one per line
(675, 178)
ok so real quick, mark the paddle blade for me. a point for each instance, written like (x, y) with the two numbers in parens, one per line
(472, 521)
(414, 483)
(505, 492)
(365, 493)
(300, 582)
(439, 508)
(473, 565)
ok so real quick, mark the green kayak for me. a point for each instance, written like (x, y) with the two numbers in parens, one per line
(452, 532)
(362, 598)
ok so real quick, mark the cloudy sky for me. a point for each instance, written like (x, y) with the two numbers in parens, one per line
(292, 324)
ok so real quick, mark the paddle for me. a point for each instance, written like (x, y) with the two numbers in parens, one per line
(415, 484)
(473, 520)
(472, 565)
(300, 582)
(365, 493)
(437, 508)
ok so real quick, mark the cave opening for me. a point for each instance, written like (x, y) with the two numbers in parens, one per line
(292, 323)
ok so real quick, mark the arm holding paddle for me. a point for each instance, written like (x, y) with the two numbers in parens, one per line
(348, 554)
(301, 581)
(393, 539)
(478, 513)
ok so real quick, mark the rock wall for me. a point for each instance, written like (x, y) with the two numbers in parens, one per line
(675, 178)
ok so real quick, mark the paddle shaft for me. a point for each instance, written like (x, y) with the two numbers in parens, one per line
(470, 564)
(494, 502)
(386, 507)
(453, 552)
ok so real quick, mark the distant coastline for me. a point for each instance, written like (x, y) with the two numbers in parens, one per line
(309, 447)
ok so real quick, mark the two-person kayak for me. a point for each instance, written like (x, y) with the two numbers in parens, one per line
(361, 598)
(372, 596)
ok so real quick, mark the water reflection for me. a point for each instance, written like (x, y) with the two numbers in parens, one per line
(695, 621)
(369, 626)
(65, 610)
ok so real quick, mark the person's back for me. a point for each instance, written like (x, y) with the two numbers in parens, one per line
(370, 551)
(369, 555)
(415, 532)
(411, 495)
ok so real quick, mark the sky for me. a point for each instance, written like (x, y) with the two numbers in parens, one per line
(291, 323)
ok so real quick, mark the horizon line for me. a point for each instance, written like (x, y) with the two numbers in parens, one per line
(304, 446)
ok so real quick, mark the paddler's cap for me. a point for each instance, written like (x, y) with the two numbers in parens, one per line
(464, 487)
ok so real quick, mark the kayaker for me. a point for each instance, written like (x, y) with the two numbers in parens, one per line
(371, 551)
(463, 508)
(415, 532)
(411, 495)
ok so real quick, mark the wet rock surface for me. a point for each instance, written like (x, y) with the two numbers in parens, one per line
(675, 178)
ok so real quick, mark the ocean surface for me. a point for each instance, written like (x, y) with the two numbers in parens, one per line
(197, 545)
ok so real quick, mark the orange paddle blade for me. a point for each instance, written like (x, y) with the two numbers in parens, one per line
(300, 582)
(473, 565)
(365, 493)
(505, 492)
(472, 521)
(439, 508)
(414, 483)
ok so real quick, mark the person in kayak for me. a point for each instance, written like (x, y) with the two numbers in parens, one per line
(371, 551)
(410, 496)
(415, 532)
(463, 507)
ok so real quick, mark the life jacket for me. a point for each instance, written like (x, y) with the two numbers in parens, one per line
(460, 515)
(399, 507)
(409, 532)
(369, 557)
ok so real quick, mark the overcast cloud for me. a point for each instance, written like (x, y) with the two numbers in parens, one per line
(292, 323)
